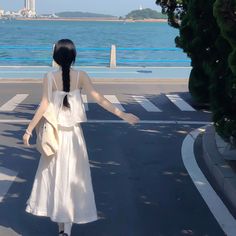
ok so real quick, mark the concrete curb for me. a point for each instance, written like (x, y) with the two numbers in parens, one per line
(218, 168)
(191, 151)
(107, 80)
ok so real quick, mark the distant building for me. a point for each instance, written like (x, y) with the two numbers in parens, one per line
(1, 12)
(30, 8)
(140, 7)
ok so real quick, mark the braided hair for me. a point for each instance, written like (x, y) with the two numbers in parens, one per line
(64, 55)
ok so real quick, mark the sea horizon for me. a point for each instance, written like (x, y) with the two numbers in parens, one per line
(95, 19)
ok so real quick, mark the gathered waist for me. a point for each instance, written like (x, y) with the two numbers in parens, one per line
(68, 128)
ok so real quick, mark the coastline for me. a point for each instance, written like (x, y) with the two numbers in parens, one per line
(92, 20)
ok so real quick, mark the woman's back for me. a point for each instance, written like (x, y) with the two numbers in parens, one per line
(63, 187)
(74, 80)
(76, 113)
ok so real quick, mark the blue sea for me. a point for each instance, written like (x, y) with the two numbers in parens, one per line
(29, 43)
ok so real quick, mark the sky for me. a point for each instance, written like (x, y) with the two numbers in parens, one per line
(116, 8)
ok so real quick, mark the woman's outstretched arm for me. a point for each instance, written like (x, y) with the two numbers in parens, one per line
(39, 112)
(102, 101)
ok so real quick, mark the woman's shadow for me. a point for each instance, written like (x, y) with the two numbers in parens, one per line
(24, 162)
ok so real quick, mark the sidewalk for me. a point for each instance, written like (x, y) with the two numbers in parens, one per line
(220, 172)
(124, 73)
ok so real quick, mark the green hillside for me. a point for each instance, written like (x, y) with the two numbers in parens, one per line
(78, 14)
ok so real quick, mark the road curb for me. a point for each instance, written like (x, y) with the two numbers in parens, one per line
(214, 202)
(218, 168)
(107, 80)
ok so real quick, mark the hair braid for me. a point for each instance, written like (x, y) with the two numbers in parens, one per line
(66, 83)
(64, 55)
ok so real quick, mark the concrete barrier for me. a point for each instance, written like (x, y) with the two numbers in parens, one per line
(113, 56)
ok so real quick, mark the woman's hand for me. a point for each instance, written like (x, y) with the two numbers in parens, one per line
(130, 118)
(26, 138)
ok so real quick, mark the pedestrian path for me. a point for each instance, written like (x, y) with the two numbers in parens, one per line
(13, 102)
(179, 102)
(37, 72)
(148, 104)
(113, 99)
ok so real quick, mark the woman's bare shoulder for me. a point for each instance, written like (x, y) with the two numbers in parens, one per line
(74, 72)
(58, 72)
(83, 73)
(55, 73)
(83, 76)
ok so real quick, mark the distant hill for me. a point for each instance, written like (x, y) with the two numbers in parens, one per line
(78, 14)
(145, 14)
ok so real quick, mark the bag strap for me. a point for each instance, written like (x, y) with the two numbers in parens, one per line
(49, 76)
(77, 81)
(53, 78)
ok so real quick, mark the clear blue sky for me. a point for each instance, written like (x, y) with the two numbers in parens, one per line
(113, 7)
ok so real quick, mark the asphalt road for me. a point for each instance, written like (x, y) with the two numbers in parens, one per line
(140, 183)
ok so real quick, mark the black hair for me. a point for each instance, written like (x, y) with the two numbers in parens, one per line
(64, 55)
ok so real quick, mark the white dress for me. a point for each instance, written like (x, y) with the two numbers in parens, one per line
(62, 188)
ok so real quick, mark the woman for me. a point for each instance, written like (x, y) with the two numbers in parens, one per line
(62, 189)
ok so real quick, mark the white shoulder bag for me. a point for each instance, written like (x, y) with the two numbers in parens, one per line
(47, 129)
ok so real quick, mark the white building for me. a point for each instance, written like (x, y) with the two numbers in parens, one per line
(30, 7)
(140, 7)
(1, 12)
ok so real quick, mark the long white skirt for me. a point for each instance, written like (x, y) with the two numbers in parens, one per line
(62, 188)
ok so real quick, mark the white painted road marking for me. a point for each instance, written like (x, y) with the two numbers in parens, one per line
(7, 231)
(85, 101)
(7, 177)
(214, 202)
(14, 102)
(142, 100)
(170, 122)
(179, 102)
(113, 99)
(146, 104)
(180, 122)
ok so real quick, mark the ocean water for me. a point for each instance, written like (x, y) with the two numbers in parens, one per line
(30, 42)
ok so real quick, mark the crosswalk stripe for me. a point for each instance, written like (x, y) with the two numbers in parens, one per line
(179, 102)
(146, 104)
(7, 178)
(142, 100)
(113, 99)
(14, 102)
(85, 101)
(178, 122)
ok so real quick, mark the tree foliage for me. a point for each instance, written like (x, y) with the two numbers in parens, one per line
(210, 41)
(175, 10)
(190, 16)
(145, 14)
(224, 12)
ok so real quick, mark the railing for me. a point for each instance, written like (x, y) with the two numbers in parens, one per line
(109, 56)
